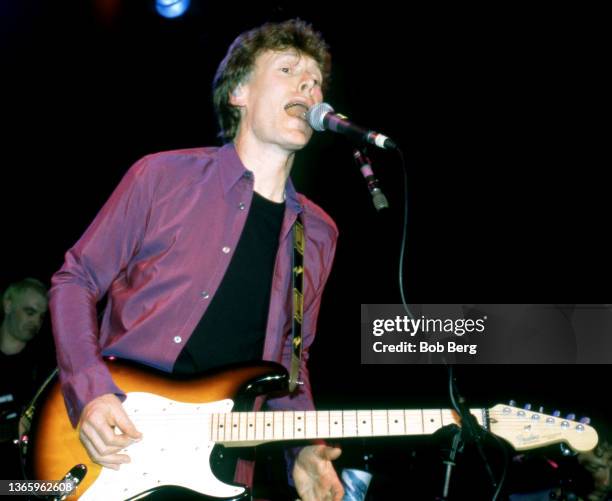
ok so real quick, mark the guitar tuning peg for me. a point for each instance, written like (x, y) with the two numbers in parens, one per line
(585, 420)
(556, 413)
(512, 403)
(541, 409)
(566, 451)
(527, 407)
(571, 417)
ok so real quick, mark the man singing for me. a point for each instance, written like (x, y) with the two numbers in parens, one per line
(193, 250)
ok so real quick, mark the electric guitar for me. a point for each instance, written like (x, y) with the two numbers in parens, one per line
(182, 420)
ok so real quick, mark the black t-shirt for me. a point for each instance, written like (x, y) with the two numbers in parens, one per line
(234, 326)
(21, 375)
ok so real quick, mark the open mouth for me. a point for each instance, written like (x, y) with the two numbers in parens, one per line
(297, 110)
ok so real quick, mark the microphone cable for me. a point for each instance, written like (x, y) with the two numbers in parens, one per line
(404, 234)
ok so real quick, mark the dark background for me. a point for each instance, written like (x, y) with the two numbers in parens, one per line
(499, 113)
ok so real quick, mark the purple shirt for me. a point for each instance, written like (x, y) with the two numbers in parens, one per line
(160, 247)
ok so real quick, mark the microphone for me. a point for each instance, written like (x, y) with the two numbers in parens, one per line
(378, 197)
(322, 117)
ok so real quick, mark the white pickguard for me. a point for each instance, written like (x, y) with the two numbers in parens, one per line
(175, 450)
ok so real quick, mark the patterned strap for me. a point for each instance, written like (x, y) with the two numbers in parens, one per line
(297, 282)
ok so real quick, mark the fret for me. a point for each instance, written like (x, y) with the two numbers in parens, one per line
(364, 423)
(335, 424)
(220, 420)
(432, 420)
(221, 426)
(380, 426)
(414, 422)
(310, 418)
(259, 426)
(323, 424)
(250, 425)
(299, 427)
(243, 426)
(235, 426)
(349, 419)
(226, 426)
(268, 425)
(215, 427)
(288, 423)
(396, 422)
(279, 430)
(451, 417)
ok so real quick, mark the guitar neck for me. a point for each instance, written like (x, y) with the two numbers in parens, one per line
(249, 428)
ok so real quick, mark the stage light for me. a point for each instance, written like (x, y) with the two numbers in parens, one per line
(171, 8)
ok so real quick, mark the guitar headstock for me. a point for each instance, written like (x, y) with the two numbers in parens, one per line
(527, 429)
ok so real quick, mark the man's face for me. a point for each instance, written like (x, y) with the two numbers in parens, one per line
(24, 314)
(273, 100)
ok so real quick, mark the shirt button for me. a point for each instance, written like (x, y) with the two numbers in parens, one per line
(177, 339)
(205, 294)
(225, 250)
(241, 206)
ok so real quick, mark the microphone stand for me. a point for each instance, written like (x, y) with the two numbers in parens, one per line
(469, 433)
(456, 446)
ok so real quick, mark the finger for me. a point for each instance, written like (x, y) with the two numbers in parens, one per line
(125, 424)
(338, 493)
(336, 489)
(111, 463)
(108, 460)
(97, 443)
(112, 439)
(115, 459)
(89, 447)
(330, 453)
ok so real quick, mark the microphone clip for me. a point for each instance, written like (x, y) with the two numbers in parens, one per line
(365, 165)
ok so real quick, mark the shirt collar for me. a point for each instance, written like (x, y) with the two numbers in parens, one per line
(232, 170)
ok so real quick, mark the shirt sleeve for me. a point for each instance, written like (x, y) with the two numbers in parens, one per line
(90, 267)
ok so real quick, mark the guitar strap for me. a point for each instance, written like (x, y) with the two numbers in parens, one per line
(297, 286)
